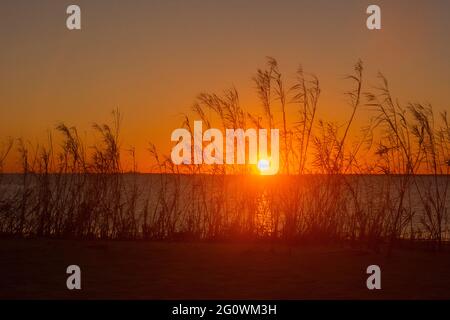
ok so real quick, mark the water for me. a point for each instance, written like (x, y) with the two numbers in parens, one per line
(212, 206)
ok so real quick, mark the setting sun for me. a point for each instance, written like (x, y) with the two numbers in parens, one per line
(263, 165)
(220, 159)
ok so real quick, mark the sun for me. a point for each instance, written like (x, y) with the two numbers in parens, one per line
(263, 166)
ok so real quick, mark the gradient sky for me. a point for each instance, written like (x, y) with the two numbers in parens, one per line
(151, 58)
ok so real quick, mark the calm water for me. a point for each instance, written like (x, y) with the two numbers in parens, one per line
(268, 200)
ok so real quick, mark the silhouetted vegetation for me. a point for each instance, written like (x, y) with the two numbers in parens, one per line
(368, 189)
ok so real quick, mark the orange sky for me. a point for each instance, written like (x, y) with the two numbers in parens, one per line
(151, 58)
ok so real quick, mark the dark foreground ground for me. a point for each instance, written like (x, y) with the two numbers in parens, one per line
(36, 269)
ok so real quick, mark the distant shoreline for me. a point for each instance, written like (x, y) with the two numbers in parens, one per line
(232, 175)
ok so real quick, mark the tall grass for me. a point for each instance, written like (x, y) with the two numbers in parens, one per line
(338, 182)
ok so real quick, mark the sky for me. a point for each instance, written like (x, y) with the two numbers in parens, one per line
(151, 58)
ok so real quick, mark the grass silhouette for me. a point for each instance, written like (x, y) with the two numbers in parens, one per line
(369, 191)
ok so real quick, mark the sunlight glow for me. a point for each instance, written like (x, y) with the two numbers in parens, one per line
(263, 165)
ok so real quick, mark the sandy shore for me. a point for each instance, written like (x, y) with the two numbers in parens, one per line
(36, 269)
